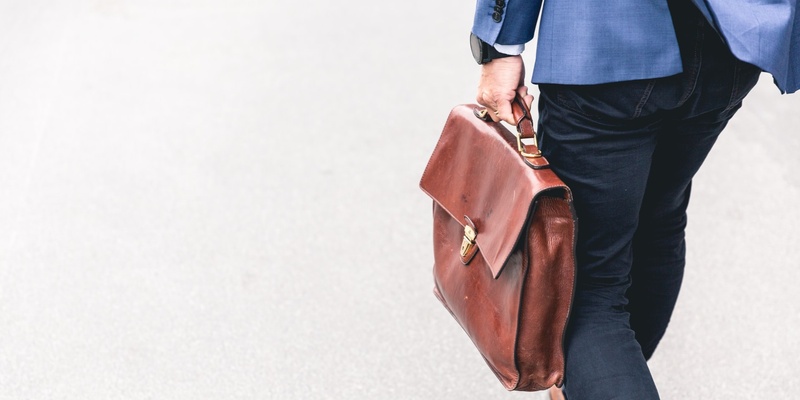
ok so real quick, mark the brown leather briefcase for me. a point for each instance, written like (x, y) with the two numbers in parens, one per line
(504, 245)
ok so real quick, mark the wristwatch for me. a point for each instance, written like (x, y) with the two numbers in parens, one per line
(484, 52)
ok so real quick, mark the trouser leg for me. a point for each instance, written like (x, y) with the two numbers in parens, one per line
(659, 247)
(606, 163)
(714, 85)
(631, 183)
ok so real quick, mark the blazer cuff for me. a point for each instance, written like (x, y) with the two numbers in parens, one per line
(506, 21)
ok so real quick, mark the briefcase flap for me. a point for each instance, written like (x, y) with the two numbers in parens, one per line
(476, 172)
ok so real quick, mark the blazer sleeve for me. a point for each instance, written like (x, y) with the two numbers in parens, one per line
(506, 21)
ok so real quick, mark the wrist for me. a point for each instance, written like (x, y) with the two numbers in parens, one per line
(508, 60)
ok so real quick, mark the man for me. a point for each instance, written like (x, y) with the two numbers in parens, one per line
(633, 95)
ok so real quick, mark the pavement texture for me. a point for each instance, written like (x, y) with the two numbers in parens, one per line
(214, 199)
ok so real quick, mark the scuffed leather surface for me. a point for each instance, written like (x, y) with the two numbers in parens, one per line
(513, 298)
(547, 293)
(483, 177)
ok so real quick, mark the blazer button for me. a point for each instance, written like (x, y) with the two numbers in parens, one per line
(498, 9)
(500, 3)
(497, 17)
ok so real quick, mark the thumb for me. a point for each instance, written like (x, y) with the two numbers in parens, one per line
(504, 112)
(522, 91)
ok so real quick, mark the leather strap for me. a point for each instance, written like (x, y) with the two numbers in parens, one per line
(522, 115)
(524, 122)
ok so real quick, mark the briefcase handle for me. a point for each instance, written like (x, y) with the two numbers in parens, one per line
(522, 114)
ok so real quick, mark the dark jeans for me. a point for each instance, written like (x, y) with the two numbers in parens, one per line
(629, 151)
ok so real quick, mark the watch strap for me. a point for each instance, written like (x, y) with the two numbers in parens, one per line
(490, 53)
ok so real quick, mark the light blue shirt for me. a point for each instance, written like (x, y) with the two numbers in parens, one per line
(595, 42)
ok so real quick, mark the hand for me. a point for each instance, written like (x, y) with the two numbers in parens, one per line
(501, 79)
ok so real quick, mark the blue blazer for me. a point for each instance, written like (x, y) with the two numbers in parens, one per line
(590, 42)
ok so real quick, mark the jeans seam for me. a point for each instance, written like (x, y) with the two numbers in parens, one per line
(735, 86)
(697, 61)
(645, 96)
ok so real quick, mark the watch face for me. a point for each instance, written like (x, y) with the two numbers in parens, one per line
(476, 44)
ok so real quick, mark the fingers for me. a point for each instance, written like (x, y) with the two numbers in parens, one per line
(498, 84)
(483, 99)
(504, 112)
(500, 106)
(522, 91)
(492, 104)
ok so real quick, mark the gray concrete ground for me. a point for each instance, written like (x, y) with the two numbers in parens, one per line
(218, 200)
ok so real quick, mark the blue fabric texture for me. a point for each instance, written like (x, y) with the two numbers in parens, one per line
(596, 42)
(765, 33)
